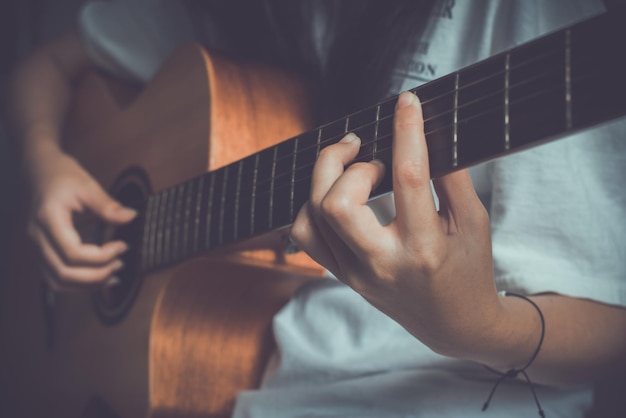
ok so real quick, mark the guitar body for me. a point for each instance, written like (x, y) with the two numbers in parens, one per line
(197, 332)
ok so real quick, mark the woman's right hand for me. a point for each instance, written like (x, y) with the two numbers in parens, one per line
(60, 188)
(40, 93)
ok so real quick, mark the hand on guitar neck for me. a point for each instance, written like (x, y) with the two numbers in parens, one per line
(424, 264)
(432, 271)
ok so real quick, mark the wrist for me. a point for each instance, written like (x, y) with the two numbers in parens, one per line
(35, 145)
(38, 155)
(39, 149)
(515, 335)
(504, 339)
(513, 371)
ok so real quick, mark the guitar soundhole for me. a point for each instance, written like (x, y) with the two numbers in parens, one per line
(114, 301)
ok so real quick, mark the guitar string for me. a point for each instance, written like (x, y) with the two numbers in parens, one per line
(335, 138)
(425, 103)
(431, 141)
(452, 91)
(393, 99)
(535, 77)
(384, 144)
(428, 101)
(378, 121)
(245, 200)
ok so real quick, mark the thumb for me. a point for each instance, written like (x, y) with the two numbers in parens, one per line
(107, 208)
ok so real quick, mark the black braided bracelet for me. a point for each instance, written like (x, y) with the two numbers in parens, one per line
(513, 373)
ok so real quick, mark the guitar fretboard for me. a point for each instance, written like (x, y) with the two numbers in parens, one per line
(561, 83)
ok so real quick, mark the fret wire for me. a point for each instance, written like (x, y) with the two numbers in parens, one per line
(568, 79)
(188, 193)
(388, 138)
(272, 179)
(145, 246)
(292, 190)
(425, 102)
(175, 222)
(485, 78)
(169, 215)
(318, 143)
(255, 175)
(145, 237)
(164, 235)
(376, 125)
(518, 65)
(209, 207)
(363, 157)
(237, 193)
(161, 212)
(180, 189)
(223, 205)
(520, 100)
(455, 132)
(160, 225)
(196, 223)
(153, 229)
(428, 133)
(166, 227)
(332, 140)
(507, 128)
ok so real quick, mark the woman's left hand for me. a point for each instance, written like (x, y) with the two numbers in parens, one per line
(430, 271)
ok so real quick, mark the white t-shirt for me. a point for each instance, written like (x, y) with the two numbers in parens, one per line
(558, 218)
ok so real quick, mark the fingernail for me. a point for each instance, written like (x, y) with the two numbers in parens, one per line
(129, 211)
(349, 138)
(113, 281)
(378, 163)
(405, 99)
(118, 265)
(122, 248)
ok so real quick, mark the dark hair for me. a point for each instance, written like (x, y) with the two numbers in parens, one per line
(371, 37)
(368, 40)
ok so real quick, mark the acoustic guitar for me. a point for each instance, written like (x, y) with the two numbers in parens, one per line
(200, 154)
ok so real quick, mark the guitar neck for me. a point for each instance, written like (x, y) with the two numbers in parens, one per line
(556, 85)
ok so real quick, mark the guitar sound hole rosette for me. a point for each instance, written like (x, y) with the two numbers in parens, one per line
(112, 302)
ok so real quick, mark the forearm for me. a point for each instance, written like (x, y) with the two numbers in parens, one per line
(41, 90)
(584, 340)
